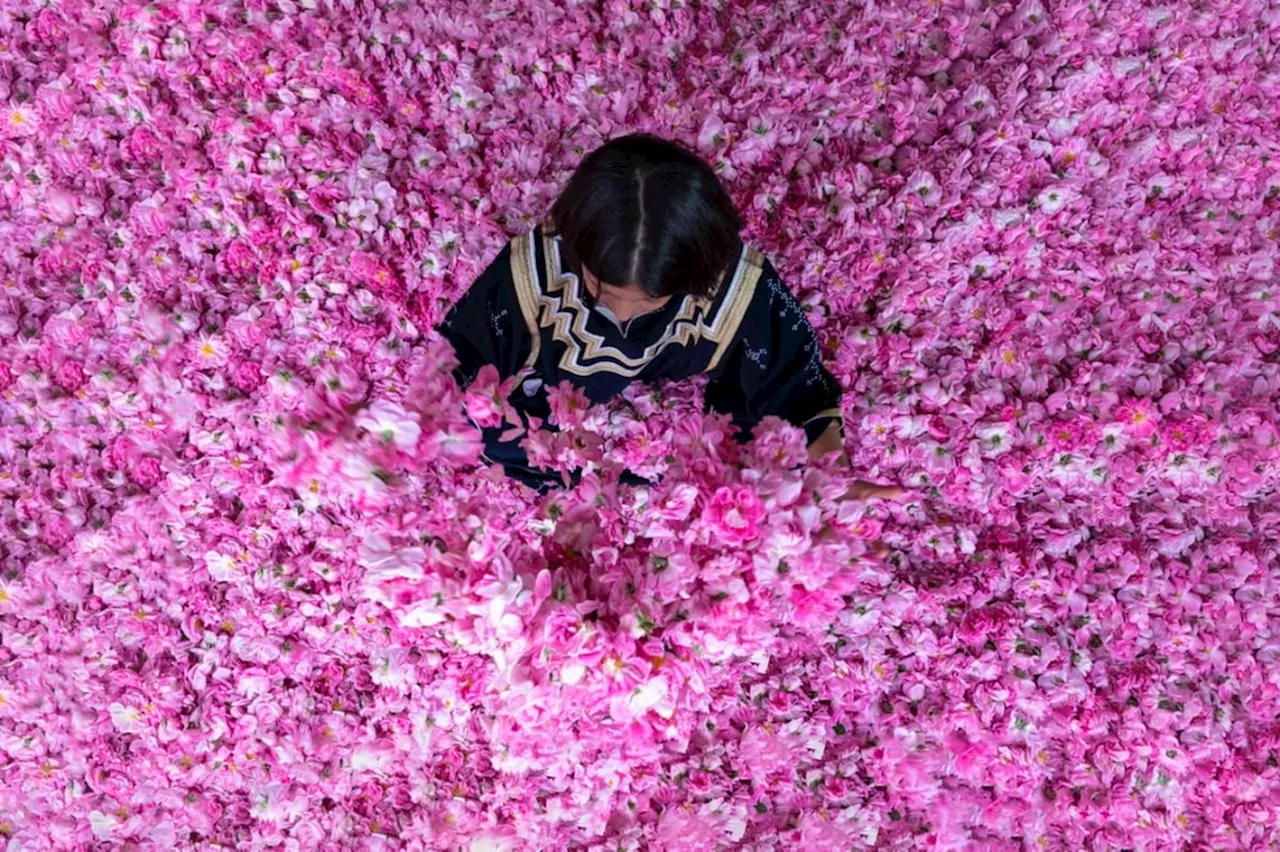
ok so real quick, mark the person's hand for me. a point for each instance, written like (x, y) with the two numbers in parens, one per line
(871, 491)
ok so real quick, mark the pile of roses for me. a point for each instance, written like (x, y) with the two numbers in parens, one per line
(259, 590)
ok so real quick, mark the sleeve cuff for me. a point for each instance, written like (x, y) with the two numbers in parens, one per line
(820, 422)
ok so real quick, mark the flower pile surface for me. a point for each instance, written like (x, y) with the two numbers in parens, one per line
(258, 592)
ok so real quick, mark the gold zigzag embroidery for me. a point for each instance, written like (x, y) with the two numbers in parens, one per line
(561, 309)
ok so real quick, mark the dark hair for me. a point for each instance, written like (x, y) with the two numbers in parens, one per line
(646, 212)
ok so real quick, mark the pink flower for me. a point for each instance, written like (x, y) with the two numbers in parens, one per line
(369, 272)
(1137, 418)
(146, 472)
(68, 330)
(247, 376)
(70, 376)
(238, 259)
(978, 624)
(1186, 434)
(684, 829)
(47, 28)
(924, 186)
(56, 531)
(485, 402)
(391, 423)
(143, 146)
(258, 587)
(457, 442)
(734, 514)
(568, 405)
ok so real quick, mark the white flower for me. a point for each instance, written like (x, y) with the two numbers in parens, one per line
(491, 844)
(421, 614)
(164, 835)
(364, 475)
(270, 803)
(210, 443)
(1161, 184)
(1002, 219)
(102, 825)
(505, 591)
(647, 695)
(925, 186)
(251, 686)
(1114, 437)
(384, 560)
(911, 427)
(1054, 198)
(127, 720)
(260, 650)
(390, 422)
(997, 438)
(391, 668)
(222, 567)
(372, 757)
(978, 97)
(982, 265)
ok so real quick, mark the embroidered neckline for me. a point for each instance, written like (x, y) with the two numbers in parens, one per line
(552, 298)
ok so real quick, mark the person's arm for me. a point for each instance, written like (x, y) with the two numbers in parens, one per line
(774, 368)
(830, 441)
(486, 326)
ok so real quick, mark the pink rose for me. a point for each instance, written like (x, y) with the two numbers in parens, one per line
(70, 376)
(1183, 435)
(142, 145)
(978, 624)
(248, 330)
(867, 529)
(146, 472)
(1137, 417)
(237, 259)
(66, 330)
(375, 276)
(683, 828)
(47, 28)
(700, 783)
(152, 220)
(119, 454)
(60, 262)
(60, 206)
(568, 405)
(735, 514)
(56, 531)
(836, 788)
(460, 443)
(484, 402)
(766, 751)
(1066, 435)
(247, 376)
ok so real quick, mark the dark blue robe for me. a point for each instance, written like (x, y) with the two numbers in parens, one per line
(529, 315)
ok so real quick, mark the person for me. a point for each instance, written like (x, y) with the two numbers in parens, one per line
(639, 274)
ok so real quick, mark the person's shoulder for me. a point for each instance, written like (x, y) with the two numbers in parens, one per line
(757, 257)
(529, 237)
(753, 262)
(754, 270)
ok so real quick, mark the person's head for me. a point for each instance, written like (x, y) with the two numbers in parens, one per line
(647, 220)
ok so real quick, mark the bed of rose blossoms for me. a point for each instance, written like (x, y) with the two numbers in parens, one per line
(257, 592)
